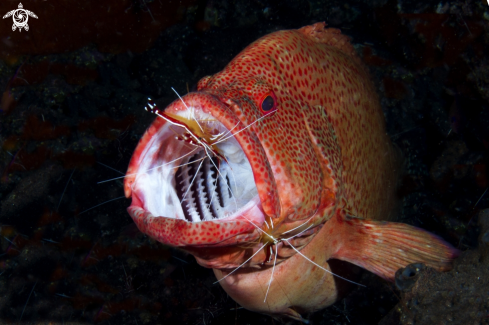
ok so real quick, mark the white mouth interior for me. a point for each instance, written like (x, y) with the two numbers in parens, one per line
(179, 180)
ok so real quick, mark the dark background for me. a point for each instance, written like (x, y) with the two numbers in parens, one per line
(73, 89)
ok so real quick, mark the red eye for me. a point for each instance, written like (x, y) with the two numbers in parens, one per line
(269, 103)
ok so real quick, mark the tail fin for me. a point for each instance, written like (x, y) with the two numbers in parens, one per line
(384, 247)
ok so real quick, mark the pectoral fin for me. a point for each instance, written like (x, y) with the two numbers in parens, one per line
(384, 247)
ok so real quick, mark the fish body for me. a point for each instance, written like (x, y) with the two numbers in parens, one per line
(273, 167)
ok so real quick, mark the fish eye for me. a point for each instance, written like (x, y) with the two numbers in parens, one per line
(268, 104)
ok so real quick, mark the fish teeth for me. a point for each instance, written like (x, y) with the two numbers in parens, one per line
(225, 195)
(203, 206)
(201, 190)
(211, 189)
(186, 190)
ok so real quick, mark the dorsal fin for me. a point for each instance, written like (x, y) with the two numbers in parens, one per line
(331, 36)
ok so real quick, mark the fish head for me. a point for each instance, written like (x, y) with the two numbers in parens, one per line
(247, 160)
(224, 171)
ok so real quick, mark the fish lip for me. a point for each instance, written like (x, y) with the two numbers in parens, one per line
(181, 233)
(223, 114)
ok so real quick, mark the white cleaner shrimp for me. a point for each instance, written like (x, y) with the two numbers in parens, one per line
(273, 249)
(197, 138)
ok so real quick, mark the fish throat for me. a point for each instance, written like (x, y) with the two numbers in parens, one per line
(205, 192)
(183, 177)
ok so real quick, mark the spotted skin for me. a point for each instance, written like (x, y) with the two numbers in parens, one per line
(321, 160)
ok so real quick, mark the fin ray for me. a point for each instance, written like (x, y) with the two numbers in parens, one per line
(384, 247)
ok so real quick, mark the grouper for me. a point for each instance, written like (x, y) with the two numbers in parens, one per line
(274, 167)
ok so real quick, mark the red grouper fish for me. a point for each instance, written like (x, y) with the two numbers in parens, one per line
(273, 167)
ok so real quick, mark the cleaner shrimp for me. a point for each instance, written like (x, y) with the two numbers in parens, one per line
(271, 243)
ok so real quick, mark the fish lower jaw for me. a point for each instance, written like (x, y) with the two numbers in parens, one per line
(179, 180)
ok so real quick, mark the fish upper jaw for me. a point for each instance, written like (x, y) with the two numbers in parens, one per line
(183, 194)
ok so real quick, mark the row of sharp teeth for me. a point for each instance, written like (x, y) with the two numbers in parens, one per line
(203, 191)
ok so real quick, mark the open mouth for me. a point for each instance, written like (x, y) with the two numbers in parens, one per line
(179, 178)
